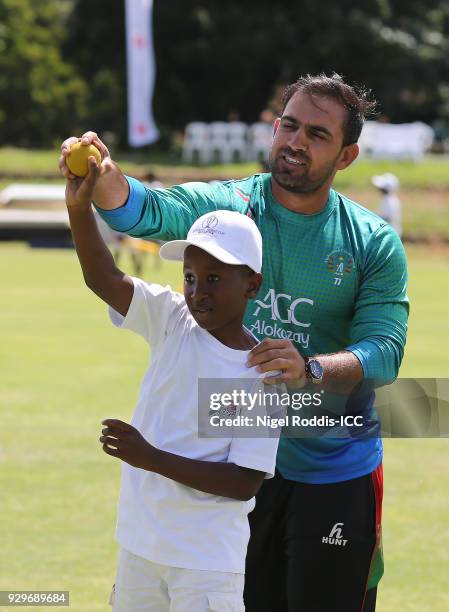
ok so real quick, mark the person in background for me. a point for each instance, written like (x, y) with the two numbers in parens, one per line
(390, 208)
(149, 179)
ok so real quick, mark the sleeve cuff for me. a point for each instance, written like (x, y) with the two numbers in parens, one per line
(125, 217)
(263, 459)
(117, 319)
(376, 369)
(362, 353)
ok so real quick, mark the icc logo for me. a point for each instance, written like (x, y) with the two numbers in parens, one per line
(210, 222)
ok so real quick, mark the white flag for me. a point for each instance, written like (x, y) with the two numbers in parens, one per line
(141, 72)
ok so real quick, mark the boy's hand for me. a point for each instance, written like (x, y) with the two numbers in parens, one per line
(79, 191)
(122, 440)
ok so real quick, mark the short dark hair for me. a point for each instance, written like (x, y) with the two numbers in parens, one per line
(356, 100)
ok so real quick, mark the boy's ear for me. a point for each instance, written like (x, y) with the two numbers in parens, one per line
(254, 284)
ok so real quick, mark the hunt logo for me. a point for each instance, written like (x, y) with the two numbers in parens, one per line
(335, 537)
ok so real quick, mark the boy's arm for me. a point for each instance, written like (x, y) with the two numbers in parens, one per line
(99, 270)
(122, 440)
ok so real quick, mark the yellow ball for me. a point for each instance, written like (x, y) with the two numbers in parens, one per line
(76, 160)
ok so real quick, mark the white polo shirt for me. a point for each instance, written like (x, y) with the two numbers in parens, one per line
(159, 519)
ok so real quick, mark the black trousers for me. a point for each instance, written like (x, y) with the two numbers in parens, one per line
(311, 547)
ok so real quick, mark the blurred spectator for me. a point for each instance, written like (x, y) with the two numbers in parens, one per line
(150, 180)
(233, 115)
(267, 116)
(441, 140)
(390, 208)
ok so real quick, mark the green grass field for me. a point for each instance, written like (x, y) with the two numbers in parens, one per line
(431, 172)
(424, 193)
(64, 368)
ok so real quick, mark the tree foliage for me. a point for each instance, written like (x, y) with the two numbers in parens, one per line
(40, 93)
(220, 56)
(63, 63)
(95, 44)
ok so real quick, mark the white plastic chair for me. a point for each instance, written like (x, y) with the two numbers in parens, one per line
(425, 134)
(237, 131)
(367, 139)
(218, 142)
(260, 138)
(400, 141)
(396, 141)
(196, 142)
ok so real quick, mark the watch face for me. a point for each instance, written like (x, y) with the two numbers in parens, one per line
(315, 369)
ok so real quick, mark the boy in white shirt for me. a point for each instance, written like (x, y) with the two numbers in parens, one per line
(184, 500)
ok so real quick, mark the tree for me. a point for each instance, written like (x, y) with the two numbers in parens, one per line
(216, 56)
(95, 44)
(41, 96)
(63, 62)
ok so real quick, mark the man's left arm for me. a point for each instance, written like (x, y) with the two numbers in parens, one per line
(379, 324)
(378, 328)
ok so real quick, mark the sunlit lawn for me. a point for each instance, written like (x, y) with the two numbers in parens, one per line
(432, 171)
(64, 368)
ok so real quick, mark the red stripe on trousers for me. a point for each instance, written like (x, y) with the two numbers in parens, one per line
(378, 486)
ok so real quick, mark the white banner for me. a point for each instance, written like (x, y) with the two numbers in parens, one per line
(141, 72)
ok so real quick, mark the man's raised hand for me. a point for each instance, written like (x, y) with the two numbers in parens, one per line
(86, 139)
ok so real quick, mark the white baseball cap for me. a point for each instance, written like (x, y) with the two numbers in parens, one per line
(387, 182)
(229, 236)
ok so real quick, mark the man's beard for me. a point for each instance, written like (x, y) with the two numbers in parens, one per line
(303, 183)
